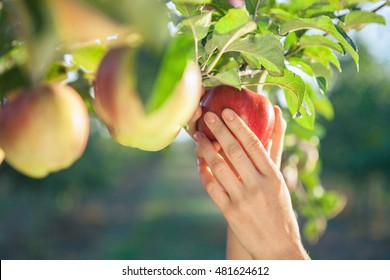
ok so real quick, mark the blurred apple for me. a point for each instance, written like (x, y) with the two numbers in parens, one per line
(77, 22)
(43, 130)
(255, 109)
(120, 107)
(2, 155)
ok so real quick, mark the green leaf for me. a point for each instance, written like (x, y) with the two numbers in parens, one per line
(253, 7)
(320, 70)
(359, 19)
(11, 80)
(290, 82)
(325, 24)
(230, 77)
(199, 25)
(233, 20)
(321, 102)
(281, 15)
(88, 58)
(319, 40)
(266, 49)
(56, 72)
(323, 55)
(322, 83)
(300, 64)
(221, 42)
(306, 114)
(221, 5)
(180, 51)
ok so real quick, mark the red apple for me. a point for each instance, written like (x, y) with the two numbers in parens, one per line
(255, 109)
(44, 129)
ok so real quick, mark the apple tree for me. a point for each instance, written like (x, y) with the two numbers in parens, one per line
(140, 66)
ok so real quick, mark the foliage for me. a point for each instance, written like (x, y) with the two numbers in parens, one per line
(287, 50)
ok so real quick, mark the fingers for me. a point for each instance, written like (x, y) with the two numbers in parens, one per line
(277, 137)
(232, 149)
(218, 166)
(217, 193)
(249, 141)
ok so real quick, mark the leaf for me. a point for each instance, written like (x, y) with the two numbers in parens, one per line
(221, 5)
(88, 58)
(179, 53)
(323, 55)
(266, 49)
(290, 82)
(56, 72)
(233, 20)
(199, 25)
(253, 7)
(300, 64)
(322, 104)
(306, 114)
(319, 40)
(230, 77)
(322, 83)
(359, 19)
(323, 23)
(281, 15)
(223, 41)
(320, 70)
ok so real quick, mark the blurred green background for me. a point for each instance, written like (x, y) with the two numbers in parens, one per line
(121, 203)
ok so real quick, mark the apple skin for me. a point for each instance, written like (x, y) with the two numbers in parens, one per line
(2, 155)
(77, 22)
(43, 130)
(255, 110)
(119, 106)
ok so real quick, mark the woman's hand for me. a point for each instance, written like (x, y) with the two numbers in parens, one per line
(248, 188)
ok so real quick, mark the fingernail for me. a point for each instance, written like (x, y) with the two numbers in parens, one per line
(198, 136)
(200, 161)
(210, 117)
(228, 114)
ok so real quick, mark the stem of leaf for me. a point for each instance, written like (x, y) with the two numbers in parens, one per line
(219, 55)
(207, 60)
(262, 79)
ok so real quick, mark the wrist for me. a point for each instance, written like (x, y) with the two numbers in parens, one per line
(291, 251)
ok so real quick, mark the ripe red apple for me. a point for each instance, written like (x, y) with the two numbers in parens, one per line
(119, 105)
(43, 130)
(255, 109)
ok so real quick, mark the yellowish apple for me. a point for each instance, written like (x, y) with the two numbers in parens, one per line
(77, 22)
(120, 107)
(44, 130)
(2, 155)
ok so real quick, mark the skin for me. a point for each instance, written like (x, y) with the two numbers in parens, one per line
(243, 179)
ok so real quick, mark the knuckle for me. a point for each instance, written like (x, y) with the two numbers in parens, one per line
(253, 144)
(217, 165)
(235, 151)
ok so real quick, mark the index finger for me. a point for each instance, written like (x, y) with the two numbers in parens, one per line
(249, 141)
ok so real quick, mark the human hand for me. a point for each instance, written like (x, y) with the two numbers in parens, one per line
(248, 188)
